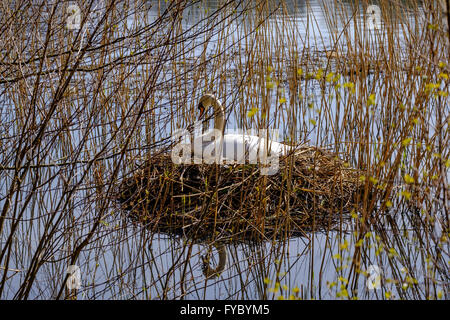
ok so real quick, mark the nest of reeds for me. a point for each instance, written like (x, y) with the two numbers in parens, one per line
(313, 189)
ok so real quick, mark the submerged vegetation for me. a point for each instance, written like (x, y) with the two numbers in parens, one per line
(93, 91)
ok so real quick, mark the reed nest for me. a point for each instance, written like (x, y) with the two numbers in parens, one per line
(313, 189)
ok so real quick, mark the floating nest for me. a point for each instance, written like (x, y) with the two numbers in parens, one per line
(312, 190)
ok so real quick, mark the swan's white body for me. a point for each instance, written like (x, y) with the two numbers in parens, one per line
(236, 148)
(255, 144)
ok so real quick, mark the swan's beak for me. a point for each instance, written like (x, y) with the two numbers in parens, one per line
(202, 110)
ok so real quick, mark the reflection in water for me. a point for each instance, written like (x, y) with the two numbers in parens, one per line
(210, 272)
(240, 271)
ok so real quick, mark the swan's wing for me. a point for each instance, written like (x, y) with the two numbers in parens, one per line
(261, 144)
(279, 148)
(240, 147)
(235, 148)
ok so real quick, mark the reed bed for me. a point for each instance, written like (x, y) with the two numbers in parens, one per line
(88, 109)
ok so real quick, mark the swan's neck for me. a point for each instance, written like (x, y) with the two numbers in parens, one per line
(219, 116)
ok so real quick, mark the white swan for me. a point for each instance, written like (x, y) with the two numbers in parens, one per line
(235, 148)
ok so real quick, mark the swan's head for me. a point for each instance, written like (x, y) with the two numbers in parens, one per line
(206, 101)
